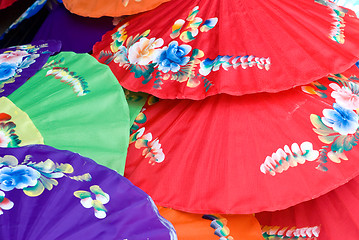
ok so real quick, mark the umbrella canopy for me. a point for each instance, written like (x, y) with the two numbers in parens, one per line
(114, 8)
(47, 193)
(219, 154)
(203, 48)
(191, 226)
(78, 105)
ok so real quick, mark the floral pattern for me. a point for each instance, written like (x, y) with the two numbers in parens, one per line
(144, 51)
(33, 178)
(342, 120)
(152, 150)
(279, 233)
(8, 136)
(219, 224)
(178, 62)
(18, 177)
(7, 70)
(173, 56)
(5, 203)
(338, 13)
(281, 160)
(78, 83)
(87, 201)
(338, 128)
(13, 62)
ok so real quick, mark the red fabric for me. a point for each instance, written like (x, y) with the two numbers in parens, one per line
(295, 35)
(6, 3)
(213, 151)
(335, 212)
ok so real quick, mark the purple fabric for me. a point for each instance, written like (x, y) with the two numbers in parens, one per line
(58, 213)
(77, 34)
(15, 71)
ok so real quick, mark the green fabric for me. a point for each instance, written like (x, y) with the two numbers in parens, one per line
(135, 101)
(79, 106)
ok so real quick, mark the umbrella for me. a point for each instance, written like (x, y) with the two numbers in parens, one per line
(198, 226)
(220, 154)
(116, 8)
(46, 193)
(77, 104)
(19, 63)
(203, 48)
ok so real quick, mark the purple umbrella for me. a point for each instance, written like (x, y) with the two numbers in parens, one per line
(47, 193)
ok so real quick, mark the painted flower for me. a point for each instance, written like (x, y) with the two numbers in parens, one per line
(4, 139)
(342, 120)
(18, 177)
(7, 70)
(152, 149)
(98, 204)
(5, 203)
(14, 57)
(144, 51)
(344, 96)
(173, 56)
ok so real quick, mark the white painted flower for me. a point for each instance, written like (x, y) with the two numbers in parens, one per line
(344, 96)
(144, 51)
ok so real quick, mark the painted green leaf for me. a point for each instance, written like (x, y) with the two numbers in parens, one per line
(320, 127)
(85, 177)
(9, 160)
(338, 145)
(65, 168)
(319, 85)
(349, 142)
(98, 206)
(34, 191)
(82, 194)
(327, 139)
(48, 182)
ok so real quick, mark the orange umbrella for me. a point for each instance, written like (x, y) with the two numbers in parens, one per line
(213, 227)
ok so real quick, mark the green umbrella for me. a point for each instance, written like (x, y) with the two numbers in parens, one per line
(77, 104)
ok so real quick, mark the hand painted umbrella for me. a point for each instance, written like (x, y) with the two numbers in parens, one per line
(191, 226)
(77, 104)
(219, 155)
(334, 214)
(47, 193)
(19, 63)
(194, 49)
(114, 8)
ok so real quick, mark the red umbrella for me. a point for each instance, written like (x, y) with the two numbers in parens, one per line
(220, 154)
(194, 49)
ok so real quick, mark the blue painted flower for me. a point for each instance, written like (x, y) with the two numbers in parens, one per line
(7, 70)
(173, 56)
(342, 120)
(18, 177)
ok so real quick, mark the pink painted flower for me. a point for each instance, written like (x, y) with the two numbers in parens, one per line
(344, 96)
(14, 57)
(144, 51)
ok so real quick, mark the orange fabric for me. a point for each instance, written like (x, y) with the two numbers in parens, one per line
(192, 226)
(113, 8)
